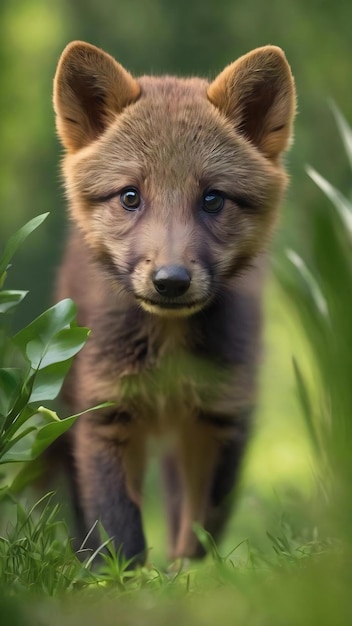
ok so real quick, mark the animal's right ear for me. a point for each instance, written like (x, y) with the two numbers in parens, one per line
(257, 94)
(90, 89)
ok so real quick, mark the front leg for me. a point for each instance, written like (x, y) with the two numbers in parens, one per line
(210, 453)
(110, 460)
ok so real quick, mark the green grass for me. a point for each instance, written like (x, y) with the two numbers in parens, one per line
(269, 526)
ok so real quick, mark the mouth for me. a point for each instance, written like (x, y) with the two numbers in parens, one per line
(171, 308)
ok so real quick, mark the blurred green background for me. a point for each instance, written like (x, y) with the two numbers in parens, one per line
(180, 37)
(159, 36)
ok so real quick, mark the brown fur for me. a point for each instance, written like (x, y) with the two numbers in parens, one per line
(183, 366)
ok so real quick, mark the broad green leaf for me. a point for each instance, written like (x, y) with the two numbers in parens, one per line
(29, 473)
(11, 382)
(36, 440)
(64, 345)
(16, 443)
(34, 352)
(18, 238)
(48, 381)
(46, 435)
(47, 325)
(41, 436)
(9, 299)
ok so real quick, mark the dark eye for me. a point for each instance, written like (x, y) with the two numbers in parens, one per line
(213, 201)
(130, 199)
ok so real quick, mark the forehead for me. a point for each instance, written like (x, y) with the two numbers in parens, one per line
(172, 125)
(172, 133)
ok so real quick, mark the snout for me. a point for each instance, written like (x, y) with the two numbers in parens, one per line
(174, 289)
(171, 281)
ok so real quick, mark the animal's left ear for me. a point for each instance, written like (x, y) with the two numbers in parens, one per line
(257, 93)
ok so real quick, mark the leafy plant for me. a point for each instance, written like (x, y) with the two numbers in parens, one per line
(34, 364)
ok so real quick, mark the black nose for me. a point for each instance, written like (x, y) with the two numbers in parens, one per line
(171, 281)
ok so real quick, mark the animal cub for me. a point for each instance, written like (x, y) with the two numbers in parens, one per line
(173, 186)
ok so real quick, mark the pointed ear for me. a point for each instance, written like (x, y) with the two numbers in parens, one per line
(90, 88)
(257, 94)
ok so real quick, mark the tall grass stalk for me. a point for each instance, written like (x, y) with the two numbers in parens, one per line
(321, 296)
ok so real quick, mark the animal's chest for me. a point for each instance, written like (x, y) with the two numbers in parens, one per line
(175, 388)
(157, 374)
